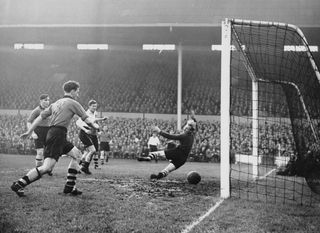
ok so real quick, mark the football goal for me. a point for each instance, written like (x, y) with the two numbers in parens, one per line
(270, 113)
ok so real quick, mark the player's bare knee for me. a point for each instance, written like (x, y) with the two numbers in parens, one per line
(91, 149)
(75, 153)
(45, 168)
(39, 153)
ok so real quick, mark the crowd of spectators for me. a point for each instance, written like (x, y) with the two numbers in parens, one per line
(139, 82)
(10, 129)
(130, 137)
(125, 82)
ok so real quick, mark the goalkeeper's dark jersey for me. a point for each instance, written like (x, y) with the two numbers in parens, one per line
(186, 140)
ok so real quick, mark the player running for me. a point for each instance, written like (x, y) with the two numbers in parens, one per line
(89, 138)
(61, 112)
(40, 132)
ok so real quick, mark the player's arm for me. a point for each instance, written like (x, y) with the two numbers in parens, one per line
(34, 124)
(101, 119)
(172, 136)
(44, 115)
(33, 134)
(91, 123)
(33, 115)
(167, 135)
(82, 125)
(193, 117)
(192, 114)
(79, 110)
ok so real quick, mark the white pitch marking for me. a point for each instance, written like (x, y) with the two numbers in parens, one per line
(188, 228)
(265, 175)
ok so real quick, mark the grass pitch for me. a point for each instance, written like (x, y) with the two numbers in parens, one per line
(120, 198)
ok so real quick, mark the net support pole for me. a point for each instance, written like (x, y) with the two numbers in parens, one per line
(255, 129)
(225, 109)
(179, 91)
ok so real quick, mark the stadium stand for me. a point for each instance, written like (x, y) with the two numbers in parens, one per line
(122, 81)
(129, 135)
(131, 82)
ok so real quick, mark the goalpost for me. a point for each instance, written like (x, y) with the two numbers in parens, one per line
(270, 107)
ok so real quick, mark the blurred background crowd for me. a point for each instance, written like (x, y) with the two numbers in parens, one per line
(129, 137)
(136, 82)
(125, 81)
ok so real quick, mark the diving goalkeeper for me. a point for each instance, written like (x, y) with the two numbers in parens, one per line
(177, 155)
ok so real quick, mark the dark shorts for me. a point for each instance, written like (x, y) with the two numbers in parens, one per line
(104, 146)
(153, 148)
(177, 156)
(171, 145)
(89, 140)
(56, 143)
(41, 132)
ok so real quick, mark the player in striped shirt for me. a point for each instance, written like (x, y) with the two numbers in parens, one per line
(89, 138)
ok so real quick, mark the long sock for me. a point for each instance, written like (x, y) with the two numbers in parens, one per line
(39, 162)
(102, 157)
(84, 155)
(165, 172)
(153, 155)
(71, 180)
(96, 160)
(169, 168)
(24, 181)
(85, 167)
(32, 176)
(39, 157)
(85, 164)
(89, 156)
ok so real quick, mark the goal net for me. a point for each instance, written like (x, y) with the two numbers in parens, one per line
(270, 113)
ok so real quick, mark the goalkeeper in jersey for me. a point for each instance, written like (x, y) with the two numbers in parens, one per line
(177, 155)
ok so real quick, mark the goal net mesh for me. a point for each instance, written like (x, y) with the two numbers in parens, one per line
(277, 58)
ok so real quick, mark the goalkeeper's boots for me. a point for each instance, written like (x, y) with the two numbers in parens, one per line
(18, 189)
(140, 159)
(153, 176)
(289, 169)
(157, 177)
(283, 172)
(71, 191)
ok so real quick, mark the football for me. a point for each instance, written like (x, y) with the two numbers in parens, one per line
(193, 177)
